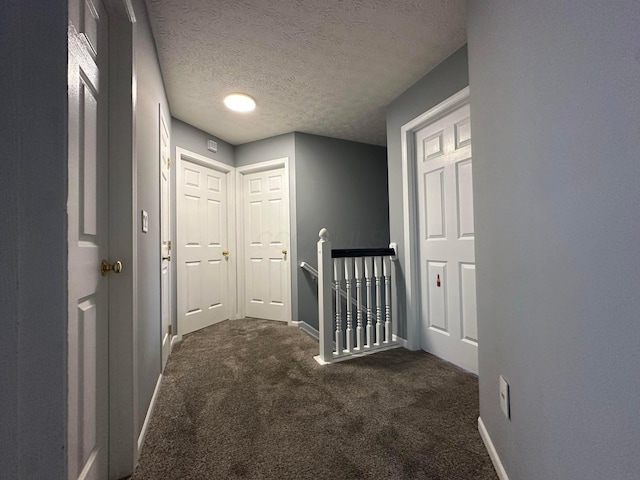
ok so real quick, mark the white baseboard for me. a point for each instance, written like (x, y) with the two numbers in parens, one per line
(147, 418)
(401, 341)
(175, 339)
(495, 459)
(306, 328)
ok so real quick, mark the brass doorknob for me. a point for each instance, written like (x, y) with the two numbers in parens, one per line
(167, 257)
(225, 253)
(284, 252)
(105, 267)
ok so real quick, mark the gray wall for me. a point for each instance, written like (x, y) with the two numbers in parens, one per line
(449, 77)
(150, 94)
(191, 138)
(555, 105)
(33, 236)
(341, 186)
(268, 149)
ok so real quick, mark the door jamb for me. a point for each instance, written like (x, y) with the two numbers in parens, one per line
(183, 154)
(410, 206)
(255, 168)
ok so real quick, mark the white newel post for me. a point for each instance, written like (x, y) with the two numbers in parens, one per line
(325, 308)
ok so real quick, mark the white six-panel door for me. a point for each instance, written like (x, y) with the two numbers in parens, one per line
(266, 244)
(87, 207)
(203, 247)
(446, 239)
(165, 240)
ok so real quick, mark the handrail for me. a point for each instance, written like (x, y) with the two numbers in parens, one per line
(362, 252)
(305, 266)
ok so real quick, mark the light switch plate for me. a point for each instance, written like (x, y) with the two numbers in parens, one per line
(505, 401)
(145, 221)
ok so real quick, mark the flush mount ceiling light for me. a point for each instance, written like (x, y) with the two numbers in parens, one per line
(239, 102)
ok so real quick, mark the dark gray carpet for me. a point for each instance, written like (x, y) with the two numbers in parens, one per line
(246, 399)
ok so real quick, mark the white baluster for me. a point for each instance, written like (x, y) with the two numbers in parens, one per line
(368, 273)
(359, 329)
(377, 263)
(325, 313)
(348, 275)
(387, 299)
(337, 277)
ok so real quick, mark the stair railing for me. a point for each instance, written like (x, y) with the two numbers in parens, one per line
(368, 278)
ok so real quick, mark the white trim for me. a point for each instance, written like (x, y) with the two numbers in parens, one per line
(402, 342)
(184, 154)
(255, 168)
(174, 340)
(351, 356)
(306, 328)
(147, 418)
(409, 207)
(495, 459)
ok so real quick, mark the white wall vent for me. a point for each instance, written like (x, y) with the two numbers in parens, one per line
(212, 146)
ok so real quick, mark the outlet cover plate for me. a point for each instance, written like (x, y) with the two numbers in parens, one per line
(505, 400)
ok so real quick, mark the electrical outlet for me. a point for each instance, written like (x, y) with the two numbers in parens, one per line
(505, 400)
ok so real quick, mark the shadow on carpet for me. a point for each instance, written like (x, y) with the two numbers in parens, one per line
(246, 399)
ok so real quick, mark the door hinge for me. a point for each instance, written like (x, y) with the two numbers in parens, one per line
(170, 329)
(169, 245)
(168, 162)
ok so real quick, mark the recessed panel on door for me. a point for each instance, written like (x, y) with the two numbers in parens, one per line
(276, 266)
(191, 212)
(468, 302)
(214, 222)
(255, 223)
(437, 296)
(274, 222)
(464, 184)
(88, 159)
(434, 146)
(256, 287)
(434, 204)
(191, 178)
(193, 283)
(216, 282)
(463, 133)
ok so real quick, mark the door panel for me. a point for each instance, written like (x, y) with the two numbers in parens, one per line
(165, 240)
(203, 271)
(87, 207)
(445, 212)
(266, 227)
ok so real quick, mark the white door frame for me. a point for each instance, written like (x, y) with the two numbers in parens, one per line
(411, 252)
(255, 168)
(183, 154)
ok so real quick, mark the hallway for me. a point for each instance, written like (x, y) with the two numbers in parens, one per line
(246, 399)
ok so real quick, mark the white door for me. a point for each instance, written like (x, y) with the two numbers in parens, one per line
(447, 254)
(266, 244)
(203, 247)
(87, 207)
(165, 241)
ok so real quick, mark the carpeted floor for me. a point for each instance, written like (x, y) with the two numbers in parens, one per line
(246, 399)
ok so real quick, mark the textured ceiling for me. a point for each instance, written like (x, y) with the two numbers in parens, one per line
(325, 67)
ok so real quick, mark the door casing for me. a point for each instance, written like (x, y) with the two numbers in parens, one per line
(186, 155)
(410, 254)
(291, 257)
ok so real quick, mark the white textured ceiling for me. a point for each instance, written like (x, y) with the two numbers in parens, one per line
(325, 67)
